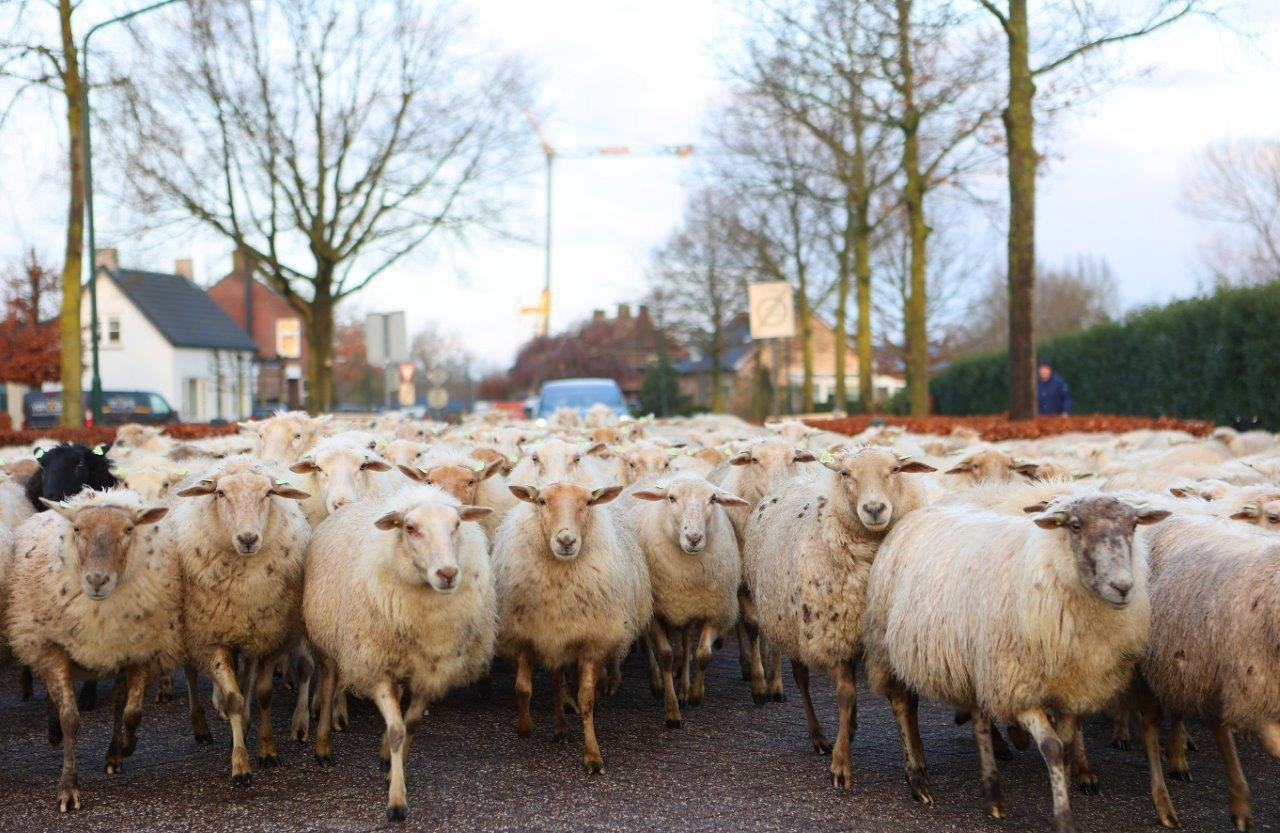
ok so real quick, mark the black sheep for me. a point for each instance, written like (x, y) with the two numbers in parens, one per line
(66, 469)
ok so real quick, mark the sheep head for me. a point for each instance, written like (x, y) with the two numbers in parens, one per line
(241, 503)
(103, 537)
(68, 468)
(869, 480)
(690, 503)
(564, 512)
(342, 472)
(460, 479)
(428, 548)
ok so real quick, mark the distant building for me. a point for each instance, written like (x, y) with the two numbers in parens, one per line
(631, 338)
(276, 328)
(160, 332)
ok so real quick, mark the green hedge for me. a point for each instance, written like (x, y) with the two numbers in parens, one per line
(1204, 358)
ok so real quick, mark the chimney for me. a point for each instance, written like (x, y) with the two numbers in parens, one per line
(241, 263)
(642, 312)
(597, 315)
(106, 259)
(184, 268)
(624, 312)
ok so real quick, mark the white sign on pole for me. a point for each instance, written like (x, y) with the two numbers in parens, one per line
(437, 398)
(385, 338)
(772, 310)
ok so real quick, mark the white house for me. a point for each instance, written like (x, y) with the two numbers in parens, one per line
(163, 334)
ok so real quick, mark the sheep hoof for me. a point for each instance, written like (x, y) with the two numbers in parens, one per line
(68, 799)
(300, 733)
(204, 738)
(268, 760)
(778, 697)
(822, 746)
(1242, 823)
(759, 699)
(324, 759)
(1180, 775)
(114, 765)
(1121, 744)
(842, 780)
(397, 812)
(560, 735)
(674, 723)
(339, 724)
(593, 766)
(919, 785)
(995, 811)
(242, 779)
(1089, 785)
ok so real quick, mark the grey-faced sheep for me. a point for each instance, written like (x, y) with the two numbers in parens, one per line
(1006, 618)
(1215, 598)
(240, 537)
(692, 554)
(93, 594)
(808, 550)
(399, 598)
(573, 588)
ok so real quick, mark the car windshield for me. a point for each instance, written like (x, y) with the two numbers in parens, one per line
(580, 396)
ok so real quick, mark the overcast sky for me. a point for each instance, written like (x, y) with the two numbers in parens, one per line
(611, 72)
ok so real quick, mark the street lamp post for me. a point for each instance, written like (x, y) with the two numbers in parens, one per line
(95, 391)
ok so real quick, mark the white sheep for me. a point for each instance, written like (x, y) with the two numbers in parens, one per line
(286, 436)
(337, 471)
(1007, 617)
(15, 506)
(554, 460)
(241, 537)
(572, 588)
(692, 554)
(470, 480)
(92, 594)
(399, 598)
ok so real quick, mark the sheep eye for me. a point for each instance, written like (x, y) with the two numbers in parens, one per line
(897, 469)
(1075, 525)
(220, 493)
(844, 474)
(128, 529)
(76, 530)
(410, 529)
(671, 498)
(297, 436)
(542, 501)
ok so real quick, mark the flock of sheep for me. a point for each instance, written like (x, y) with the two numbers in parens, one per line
(1027, 585)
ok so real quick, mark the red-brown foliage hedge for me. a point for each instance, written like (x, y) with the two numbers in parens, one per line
(999, 427)
(106, 434)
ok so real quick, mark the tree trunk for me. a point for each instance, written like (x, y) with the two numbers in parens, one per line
(72, 346)
(1019, 125)
(914, 318)
(319, 324)
(806, 343)
(862, 274)
(841, 333)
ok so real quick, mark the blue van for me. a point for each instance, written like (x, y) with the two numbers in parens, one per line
(580, 395)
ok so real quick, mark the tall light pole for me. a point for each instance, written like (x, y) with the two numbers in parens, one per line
(95, 394)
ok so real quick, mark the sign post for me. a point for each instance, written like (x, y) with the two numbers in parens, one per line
(773, 316)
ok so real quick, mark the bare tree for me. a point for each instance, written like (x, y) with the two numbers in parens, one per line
(327, 138)
(1064, 32)
(1237, 184)
(35, 60)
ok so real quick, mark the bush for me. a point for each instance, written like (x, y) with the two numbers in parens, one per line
(660, 390)
(1213, 358)
(997, 428)
(106, 434)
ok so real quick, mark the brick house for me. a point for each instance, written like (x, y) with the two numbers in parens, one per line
(631, 337)
(276, 328)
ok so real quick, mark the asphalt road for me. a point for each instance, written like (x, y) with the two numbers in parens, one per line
(733, 767)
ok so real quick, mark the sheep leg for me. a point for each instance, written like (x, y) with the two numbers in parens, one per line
(661, 645)
(247, 679)
(706, 641)
(324, 725)
(1037, 724)
(847, 702)
(300, 726)
(679, 667)
(1071, 733)
(991, 796)
(905, 704)
(114, 763)
(1120, 730)
(1237, 786)
(384, 697)
(561, 731)
(222, 669)
(340, 717)
(54, 668)
(800, 672)
(651, 665)
(26, 682)
(199, 723)
(775, 691)
(137, 677)
(1179, 768)
(164, 691)
(998, 746)
(268, 755)
(524, 693)
(1149, 714)
(613, 678)
(755, 666)
(744, 649)
(588, 671)
(88, 695)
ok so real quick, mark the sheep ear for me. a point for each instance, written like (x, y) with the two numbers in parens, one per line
(652, 493)
(1036, 507)
(286, 491)
(604, 495)
(529, 494)
(413, 473)
(961, 467)
(1247, 512)
(391, 520)
(473, 513)
(304, 467)
(1152, 516)
(915, 467)
(804, 456)
(58, 506)
(150, 515)
(1027, 469)
(376, 464)
(493, 467)
(727, 499)
(595, 449)
(204, 487)
(250, 427)
(1053, 520)
(740, 459)
(1180, 491)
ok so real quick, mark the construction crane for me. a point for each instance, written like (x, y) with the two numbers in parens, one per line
(543, 308)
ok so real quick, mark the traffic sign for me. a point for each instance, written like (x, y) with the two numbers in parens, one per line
(772, 309)
(437, 398)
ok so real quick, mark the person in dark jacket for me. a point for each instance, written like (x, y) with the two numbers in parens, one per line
(1053, 397)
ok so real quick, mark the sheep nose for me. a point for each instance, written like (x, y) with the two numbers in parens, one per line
(97, 580)
(447, 575)
(1122, 587)
(337, 504)
(247, 539)
(566, 540)
(875, 510)
(693, 538)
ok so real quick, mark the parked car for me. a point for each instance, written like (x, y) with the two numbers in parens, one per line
(43, 409)
(580, 395)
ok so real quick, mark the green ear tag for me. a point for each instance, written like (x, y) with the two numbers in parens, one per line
(478, 465)
(826, 457)
(97, 449)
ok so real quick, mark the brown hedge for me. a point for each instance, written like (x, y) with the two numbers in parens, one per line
(106, 434)
(996, 428)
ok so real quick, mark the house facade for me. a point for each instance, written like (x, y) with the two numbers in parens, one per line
(160, 332)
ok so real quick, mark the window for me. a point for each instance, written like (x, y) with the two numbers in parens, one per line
(113, 330)
(288, 338)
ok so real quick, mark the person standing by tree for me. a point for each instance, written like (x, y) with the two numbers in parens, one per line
(1053, 397)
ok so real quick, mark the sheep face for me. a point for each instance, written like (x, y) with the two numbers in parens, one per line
(868, 478)
(564, 512)
(988, 465)
(556, 460)
(413, 431)
(1263, 513)
(134, 435)
(689, 504)
(646, 461)
(1099, 532)
(403, 452)
(103, 537)
(242, 505)
(151, 482)
(428, 548)
(286, 437)
(68, 468)
(458, 480)
(342, 473)
(607, 434)
(771, 461)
